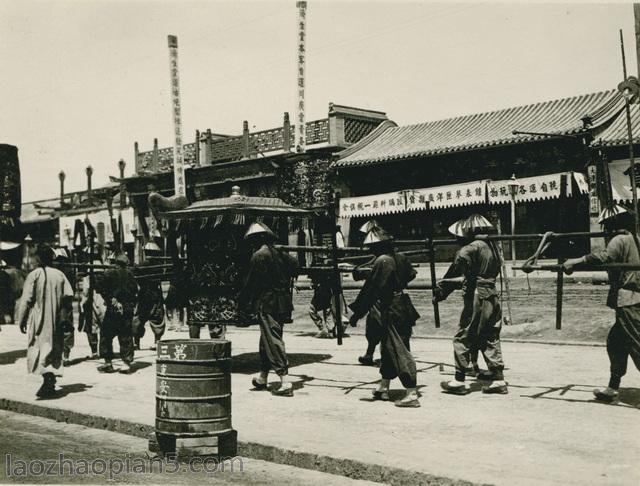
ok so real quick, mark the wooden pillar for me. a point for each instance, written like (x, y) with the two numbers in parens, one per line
(155, 160)
(245, 139)
(208, 149)
(136, 157)
(197, 153)
(286, 133)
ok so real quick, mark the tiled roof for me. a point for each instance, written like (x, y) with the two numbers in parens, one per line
(39, 211)
(563, 117)
(616, 132)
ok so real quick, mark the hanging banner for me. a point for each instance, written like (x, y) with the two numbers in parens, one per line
(529, 189)
(465, 194)
(98, 218)
(300, 127)
(178, 152)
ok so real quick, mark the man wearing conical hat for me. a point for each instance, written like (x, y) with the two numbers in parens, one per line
(267, 292)
(475, 270)
(624, 295)
(384, 286)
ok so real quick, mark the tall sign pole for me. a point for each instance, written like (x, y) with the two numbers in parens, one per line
(300, 133)
(178, 154)
(632, 163)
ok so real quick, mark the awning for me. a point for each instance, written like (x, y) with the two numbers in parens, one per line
(620, 182)
(464, 194)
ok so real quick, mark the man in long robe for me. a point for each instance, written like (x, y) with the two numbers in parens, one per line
(479, 264)
(624, 296)
(384, 287)
(267, 292)
(46, 302)
(373, 324)
(119, 289)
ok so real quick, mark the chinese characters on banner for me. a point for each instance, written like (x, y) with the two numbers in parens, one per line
(529, 189)
(178, 155)
(465, 194)
(300, 133)
(414, 200)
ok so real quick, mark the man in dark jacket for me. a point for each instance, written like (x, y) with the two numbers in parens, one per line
(624, 296)
(384, 287)
(150, 309)
(119, 289)
(475, 269)
(267, 292)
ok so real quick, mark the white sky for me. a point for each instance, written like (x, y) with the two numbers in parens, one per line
(83, 80)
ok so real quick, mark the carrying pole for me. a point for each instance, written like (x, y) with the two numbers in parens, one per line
(337, 281)
(89, 313)
(432, 264)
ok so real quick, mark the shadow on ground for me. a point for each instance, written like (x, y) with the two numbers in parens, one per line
(11, 357)
(65, 390)
(249, 363)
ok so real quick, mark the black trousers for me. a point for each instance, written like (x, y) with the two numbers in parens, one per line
(117, 325)
(273, 355)
(624, 340)
(395, 355)
(478, 332)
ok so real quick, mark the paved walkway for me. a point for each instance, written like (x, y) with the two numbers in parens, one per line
(546, 431)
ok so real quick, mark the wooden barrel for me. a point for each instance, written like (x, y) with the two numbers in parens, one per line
(193, 387)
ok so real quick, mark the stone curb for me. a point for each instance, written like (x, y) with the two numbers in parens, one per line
(326, 464)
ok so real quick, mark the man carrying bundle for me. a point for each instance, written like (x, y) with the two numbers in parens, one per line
(478, 262)
(384, 287)
(624, 295)
(267, 293)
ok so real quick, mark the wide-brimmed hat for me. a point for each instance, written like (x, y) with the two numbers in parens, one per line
(368, 226)
(259, 229)
(611, 212)
(375, 236)
(474, 224)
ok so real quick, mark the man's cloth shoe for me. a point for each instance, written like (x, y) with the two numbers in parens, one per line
(257, 385)
(407, 402)
(126, 369)
(447, 387)
(284, 391)
(46, 390)
(381, 395)
(106, 368)
(366, 360)
(607, 395)
(496, 388)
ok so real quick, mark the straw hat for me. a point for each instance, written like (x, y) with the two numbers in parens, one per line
(259, 229)
(611, 212)
(474, 224)
(368, 226)
(375, 236)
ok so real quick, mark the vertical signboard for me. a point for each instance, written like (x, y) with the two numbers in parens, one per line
(300, 137)
(178, 154)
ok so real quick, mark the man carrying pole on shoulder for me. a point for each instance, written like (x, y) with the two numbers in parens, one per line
(479, 264)
(384, 287)
(624, 295)
(267, 293)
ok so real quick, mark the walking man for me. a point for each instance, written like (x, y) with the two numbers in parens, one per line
(267, 292)
(624, 296)
(478, 262)
(384, 287)
(119, 289)
(150, 309)
(45, 303)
